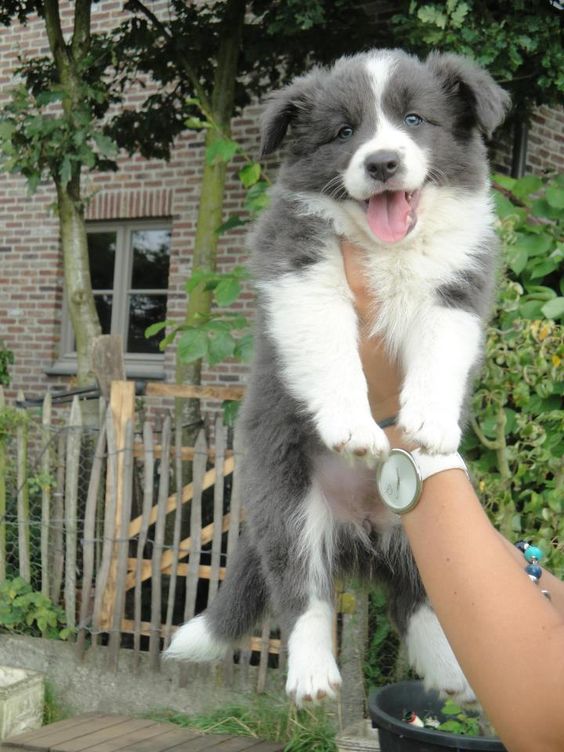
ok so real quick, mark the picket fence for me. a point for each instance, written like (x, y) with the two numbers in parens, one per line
(128, 576)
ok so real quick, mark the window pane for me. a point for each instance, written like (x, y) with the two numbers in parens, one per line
(144, 310)
(151, 255)
(104, 308)
(102, 254)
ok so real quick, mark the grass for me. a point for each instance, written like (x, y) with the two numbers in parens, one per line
(53, 711)
(268, 718)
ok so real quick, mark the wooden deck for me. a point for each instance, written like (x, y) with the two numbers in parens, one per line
(110, 733)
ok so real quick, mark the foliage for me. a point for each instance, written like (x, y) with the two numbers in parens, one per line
(6, 360)
(266, 718)
(52, 710)
(25, 611)
(10, 419)
(459, 722)
(382, 664)
(40, 139)
(279, 40)
(516, 448)
(517, 40)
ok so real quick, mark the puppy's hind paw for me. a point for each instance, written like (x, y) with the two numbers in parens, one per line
(195, 642)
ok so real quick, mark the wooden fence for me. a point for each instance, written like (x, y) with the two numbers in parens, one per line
(113, 533)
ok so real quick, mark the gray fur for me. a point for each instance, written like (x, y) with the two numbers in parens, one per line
(282, 447)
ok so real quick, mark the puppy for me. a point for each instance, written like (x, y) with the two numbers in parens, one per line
(388, 151)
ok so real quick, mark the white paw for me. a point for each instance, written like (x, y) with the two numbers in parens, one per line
(312, 677)
(361, 437)
(432, 658)
(194, 641)
(435, 429)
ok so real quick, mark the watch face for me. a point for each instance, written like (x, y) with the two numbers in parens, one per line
(399, 481)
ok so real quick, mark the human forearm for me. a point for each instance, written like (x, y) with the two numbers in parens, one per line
(506, 635)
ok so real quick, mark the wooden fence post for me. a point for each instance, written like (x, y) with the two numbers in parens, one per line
(122, 409)
(2, 495)
(23, 495)
(122, 546)
(45, 491)
(158, 547)
(74, 436)
(89, 542)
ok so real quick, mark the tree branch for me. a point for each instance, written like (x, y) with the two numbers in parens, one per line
(488, 443)
(55, 36)
(183, 61)
(81, 30)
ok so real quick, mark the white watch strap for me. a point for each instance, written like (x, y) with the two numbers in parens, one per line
(431, 464)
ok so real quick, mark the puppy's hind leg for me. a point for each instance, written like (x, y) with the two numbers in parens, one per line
(238, 606)
(312, 669)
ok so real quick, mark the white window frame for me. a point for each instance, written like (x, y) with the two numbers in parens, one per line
(142, 365)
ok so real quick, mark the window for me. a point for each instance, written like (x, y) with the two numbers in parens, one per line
(129, 267)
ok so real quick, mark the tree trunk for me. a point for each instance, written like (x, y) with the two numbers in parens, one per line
(210, 210)
(78, 286)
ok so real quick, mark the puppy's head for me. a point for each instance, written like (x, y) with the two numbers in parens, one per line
(376, 129)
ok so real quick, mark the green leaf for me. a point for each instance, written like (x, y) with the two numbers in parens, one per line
(222, 150)
(554, 309)
(555, 197)
(250, 174)
(106, 145)
(231, 223)
(66, 170)
(197, 123)
(527, 185)
(244, 348)
(192, 345)
(230, 411)
(48, 97)
(517, 257)
(221, 346)
(535, 245)
(227, 291)
(155, 328)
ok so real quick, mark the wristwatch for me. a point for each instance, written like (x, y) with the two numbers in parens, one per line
(400, 477)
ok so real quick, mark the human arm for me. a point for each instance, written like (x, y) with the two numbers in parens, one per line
(507, 637)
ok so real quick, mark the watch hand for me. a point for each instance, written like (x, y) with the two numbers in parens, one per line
(398, 477)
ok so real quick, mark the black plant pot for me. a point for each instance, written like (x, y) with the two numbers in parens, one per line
(387, 707)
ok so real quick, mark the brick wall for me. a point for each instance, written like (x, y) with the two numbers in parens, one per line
(31, 279)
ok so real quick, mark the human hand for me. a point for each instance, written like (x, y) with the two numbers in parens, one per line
(382, 372)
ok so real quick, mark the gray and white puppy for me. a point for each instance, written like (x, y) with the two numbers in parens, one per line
(389, 152)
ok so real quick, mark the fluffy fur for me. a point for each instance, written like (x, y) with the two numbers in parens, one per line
(388, 151)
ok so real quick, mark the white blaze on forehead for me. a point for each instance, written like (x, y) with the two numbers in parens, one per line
(380, 69)
(387, 137)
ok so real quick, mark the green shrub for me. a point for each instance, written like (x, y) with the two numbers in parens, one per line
(6, 360)
(516, 446)
(25, 611)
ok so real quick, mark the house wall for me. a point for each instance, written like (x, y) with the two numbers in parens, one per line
(31, 273)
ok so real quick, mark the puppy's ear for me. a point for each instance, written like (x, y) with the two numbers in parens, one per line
(462, 77)
(283, 107)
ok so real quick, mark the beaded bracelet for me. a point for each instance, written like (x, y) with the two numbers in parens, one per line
(532, 555)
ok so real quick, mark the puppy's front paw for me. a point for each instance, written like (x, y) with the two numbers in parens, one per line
(362, 437)
(312, 677)
(434, 429)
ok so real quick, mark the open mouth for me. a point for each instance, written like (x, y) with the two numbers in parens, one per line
(392, 215)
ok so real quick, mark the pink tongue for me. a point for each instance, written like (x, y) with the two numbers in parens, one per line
(389, 215)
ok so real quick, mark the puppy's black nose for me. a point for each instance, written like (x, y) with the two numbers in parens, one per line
(382, 165)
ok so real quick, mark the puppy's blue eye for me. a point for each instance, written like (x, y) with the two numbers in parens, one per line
(345, 133)
(413, 119)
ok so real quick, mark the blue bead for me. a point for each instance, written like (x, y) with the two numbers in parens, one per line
(534, 570)
(532, 552)
(522, 545)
